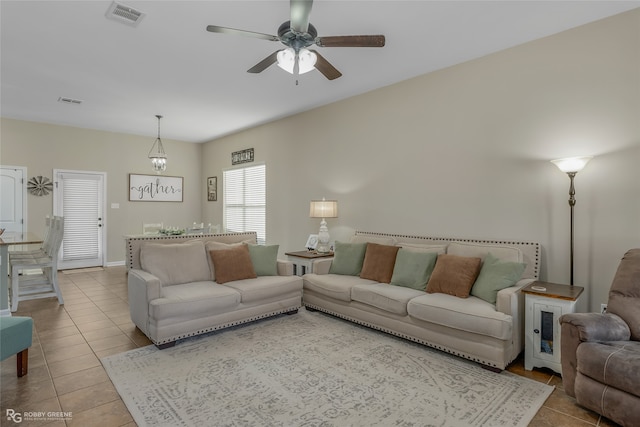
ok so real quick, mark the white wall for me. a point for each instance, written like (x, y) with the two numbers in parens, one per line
(464, 152)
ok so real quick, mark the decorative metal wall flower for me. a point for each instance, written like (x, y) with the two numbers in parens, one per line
(40, 186)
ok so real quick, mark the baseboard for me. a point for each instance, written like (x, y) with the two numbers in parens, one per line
(115, 264)
(5, 313)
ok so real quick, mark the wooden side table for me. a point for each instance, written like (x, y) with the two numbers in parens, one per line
(303, 260)
(545, 303)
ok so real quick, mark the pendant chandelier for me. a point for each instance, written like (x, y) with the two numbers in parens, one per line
(157, 155)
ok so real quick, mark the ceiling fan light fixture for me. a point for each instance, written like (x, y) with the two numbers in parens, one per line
(287, 60)
(297, 35)
(306, 61)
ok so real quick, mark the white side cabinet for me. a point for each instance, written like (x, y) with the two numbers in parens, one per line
(303, 260)
(545, 303)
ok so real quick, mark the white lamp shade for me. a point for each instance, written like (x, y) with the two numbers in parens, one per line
(571, 164)
(323, 209)
(287, 59)
(306, 61)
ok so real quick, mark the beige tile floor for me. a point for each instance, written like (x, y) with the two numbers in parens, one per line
(65, 373)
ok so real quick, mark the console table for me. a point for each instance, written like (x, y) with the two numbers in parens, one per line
(303, 260)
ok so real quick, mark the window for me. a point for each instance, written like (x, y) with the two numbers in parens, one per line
(245, 200)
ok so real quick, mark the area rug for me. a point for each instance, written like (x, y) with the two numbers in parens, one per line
(311, 369)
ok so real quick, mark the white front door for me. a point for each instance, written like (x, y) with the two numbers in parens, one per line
(12, 198)
(79, 197)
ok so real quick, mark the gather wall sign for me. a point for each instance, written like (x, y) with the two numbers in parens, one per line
(155, 188)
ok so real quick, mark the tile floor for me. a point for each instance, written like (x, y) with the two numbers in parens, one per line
(65, 373)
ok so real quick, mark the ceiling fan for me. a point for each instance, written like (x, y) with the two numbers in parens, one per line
(297, 35)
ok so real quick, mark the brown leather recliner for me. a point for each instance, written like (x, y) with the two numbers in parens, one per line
(600, 353)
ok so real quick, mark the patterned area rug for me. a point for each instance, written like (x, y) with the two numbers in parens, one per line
(311, 369)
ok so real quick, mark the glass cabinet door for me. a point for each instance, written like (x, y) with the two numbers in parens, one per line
(546, 332)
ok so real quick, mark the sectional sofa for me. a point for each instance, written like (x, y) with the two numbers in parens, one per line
(409, 286)
(483, 326)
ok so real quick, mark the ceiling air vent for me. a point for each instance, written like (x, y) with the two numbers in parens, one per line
(125, 14)
(65, 100)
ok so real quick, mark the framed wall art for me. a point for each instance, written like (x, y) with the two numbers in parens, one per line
(212, 189)
(155, 188)
(242, 156)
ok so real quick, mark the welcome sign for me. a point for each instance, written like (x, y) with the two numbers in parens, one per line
(155, 188)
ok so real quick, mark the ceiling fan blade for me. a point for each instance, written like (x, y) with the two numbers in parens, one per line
(300, 11)
(328, 70)
(233, 31)
(265, 63)
(351, 41)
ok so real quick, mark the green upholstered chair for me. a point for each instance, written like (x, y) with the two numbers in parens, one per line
(15, 338)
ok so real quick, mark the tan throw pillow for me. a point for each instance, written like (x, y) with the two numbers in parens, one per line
(454, 275)
(232, 264)
(378, 262)
(213, 245)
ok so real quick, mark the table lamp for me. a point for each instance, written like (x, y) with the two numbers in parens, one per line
(323, 209)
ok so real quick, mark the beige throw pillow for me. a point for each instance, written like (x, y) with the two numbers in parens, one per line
(175, 263)
(454, 275)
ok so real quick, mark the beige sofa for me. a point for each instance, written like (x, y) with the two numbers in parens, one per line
(174, 291)
(488, 333)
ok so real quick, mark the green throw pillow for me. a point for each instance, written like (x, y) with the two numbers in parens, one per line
(413, 269)
(264, 259)
(348, 258)
(494, 276)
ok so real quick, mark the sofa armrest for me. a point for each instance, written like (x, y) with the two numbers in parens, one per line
(321, 266)
(143, 287)
(285, 268)
(576, 328)
(510, 301)
(597, 327)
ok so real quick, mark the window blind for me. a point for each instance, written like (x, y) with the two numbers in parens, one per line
(81, 212)
(245, 200)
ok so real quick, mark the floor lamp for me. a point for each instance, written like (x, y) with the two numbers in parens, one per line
(571, 166)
